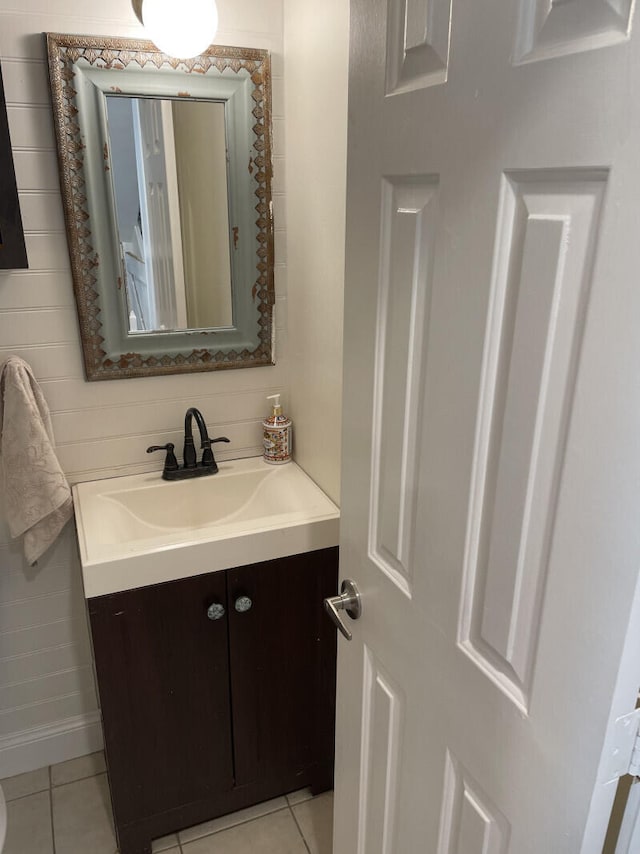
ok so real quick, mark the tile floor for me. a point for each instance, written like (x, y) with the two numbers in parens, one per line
(65, 809)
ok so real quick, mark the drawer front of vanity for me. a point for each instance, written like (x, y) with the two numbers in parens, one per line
(163, 676)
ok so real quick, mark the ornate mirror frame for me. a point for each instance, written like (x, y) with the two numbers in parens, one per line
(83, 71)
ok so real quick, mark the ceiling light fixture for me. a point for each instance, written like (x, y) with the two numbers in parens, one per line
(181, 29)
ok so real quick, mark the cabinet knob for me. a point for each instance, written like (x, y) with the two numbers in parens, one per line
(215, 611)
(243, 603)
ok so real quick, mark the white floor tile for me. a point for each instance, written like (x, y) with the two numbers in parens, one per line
(315, 819)
(82, 817)
(166, 843)
(25, 784)
(299, 796)
(234, 818)
(272, 834)
(29, 825)
(77, 769)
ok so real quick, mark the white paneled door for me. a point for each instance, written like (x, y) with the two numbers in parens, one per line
(491, 474)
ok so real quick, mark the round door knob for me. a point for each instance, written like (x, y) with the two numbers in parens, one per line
(243, 603)
(215, 611)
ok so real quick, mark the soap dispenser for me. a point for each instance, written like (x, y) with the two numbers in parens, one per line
(277, 435)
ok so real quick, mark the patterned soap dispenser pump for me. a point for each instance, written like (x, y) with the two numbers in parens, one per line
(277, 435)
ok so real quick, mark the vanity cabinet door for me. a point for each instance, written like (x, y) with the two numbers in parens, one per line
(163, 674)
(282, 652)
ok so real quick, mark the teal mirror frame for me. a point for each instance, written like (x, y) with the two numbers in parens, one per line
(83, 71)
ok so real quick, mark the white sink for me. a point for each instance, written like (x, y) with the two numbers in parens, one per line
(141, 530)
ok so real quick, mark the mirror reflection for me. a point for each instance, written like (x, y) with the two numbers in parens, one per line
(169, 167)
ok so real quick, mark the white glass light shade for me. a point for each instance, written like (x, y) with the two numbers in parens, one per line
(180, 28)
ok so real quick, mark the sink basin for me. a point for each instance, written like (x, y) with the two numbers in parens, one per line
(195, 503)
(140, 530)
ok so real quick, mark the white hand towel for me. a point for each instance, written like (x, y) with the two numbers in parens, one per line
(37, 494)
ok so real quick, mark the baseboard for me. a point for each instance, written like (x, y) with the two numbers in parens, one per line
(48, 745)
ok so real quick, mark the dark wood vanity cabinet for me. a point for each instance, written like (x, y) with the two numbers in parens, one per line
(204, 716)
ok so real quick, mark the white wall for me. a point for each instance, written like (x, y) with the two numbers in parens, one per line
(316, 50)
(48, 706)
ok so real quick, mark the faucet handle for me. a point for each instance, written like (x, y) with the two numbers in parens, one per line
(207, 455)
(170, 462)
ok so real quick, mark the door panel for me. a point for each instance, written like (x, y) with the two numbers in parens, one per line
(382, 728)
(547, 30)
(470, 823)
(545, 242)
(417, 44)
(491, 474)
(404, 299)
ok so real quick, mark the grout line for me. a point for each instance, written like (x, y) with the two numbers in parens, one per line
(22, 797)
(237, 824)
(53, 827)
(78, 780)
(293, 815)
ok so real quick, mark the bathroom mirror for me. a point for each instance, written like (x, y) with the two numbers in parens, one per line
(165, 172)
(171, 193)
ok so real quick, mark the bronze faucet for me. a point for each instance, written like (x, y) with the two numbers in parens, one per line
(190, 467)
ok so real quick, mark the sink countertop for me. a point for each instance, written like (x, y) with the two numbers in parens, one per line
(139, 530)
